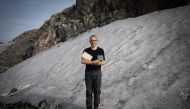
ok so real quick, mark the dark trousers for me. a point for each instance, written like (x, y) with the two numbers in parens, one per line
(93, 84)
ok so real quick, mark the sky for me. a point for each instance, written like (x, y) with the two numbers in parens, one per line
(18, 16)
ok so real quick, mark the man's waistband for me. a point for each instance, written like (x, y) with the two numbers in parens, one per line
(93, 70)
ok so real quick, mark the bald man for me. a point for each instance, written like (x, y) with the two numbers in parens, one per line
(93, 73)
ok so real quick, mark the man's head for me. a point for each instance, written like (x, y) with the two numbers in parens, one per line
(93, 40)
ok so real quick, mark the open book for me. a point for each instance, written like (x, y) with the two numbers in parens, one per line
(87, 56)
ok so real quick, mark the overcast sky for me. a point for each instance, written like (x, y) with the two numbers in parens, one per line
(17, 16)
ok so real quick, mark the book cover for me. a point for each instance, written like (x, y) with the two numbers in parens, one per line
(87, 56)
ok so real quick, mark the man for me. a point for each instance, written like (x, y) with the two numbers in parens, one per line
(93, 74)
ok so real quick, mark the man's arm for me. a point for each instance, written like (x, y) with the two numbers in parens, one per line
(96, 62)
(85, 61)
(101, 62)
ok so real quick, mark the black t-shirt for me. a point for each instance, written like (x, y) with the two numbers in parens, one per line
(95, 53)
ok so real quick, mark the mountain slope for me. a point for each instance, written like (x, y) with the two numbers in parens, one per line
(148, 67)
(4, 46)
(81, 17)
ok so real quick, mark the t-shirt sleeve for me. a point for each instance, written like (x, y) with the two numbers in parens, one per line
(103, 54)
(84, 50)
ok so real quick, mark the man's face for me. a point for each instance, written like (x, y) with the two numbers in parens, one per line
(93, 41)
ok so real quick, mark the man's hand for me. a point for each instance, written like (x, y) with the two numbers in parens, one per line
(99, 62)
(95, 62)
(85, 61)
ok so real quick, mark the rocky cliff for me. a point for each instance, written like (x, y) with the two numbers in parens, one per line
(83, 16)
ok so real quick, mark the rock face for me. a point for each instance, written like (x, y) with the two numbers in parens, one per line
(20, 49)
(17, 105)
(5, 46)
(85, 15)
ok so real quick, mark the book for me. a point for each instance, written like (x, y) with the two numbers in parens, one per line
(100, 57)
(86, 56)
